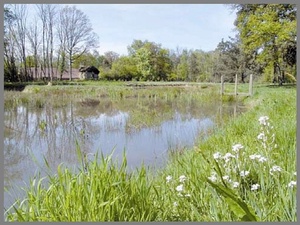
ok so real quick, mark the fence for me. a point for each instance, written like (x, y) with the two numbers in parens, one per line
(250, 93)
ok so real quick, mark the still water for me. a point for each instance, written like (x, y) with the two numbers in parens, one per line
(146, 131)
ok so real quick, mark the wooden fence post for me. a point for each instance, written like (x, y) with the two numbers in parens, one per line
(222, 85)
(235, 87)
(251, 85)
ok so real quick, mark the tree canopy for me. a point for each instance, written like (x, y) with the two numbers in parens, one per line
(270, 31)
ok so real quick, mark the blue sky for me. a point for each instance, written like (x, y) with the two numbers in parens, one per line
(191, 26)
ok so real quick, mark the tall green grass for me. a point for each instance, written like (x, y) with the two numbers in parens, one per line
(196, 185)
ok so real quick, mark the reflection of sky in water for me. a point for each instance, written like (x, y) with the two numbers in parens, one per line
(103, 132)
(147, 144)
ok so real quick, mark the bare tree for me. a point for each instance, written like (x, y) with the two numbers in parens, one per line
(10, 69)
(19, 35)
(33, 37)
(75, 34)
(51, 12)
(110, 57)
(47, 14)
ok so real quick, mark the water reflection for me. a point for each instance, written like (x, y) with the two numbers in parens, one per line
(145, 130)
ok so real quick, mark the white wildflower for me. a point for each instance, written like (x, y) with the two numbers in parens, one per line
(179, 188)
(275, 169)
(217, 155)
(295, 173)
(237, 147)
(262, 159)
(213, 177)
(244, 173)
(182, 178)
(175, 204)
(168, 178)
(263, 120)
(226, 177)
(254, 187)
(227, 156)
(187, 195)
(235, 184)
(261, 136)
(292, 184)
(255, 156)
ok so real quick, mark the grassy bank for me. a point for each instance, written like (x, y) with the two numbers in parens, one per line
(147, 105)
(244, 171)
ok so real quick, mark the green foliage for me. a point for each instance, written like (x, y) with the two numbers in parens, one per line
(152, 61)
(237, 206)
(87, 59)
(269, 30)
(182, 68)
(124, 68)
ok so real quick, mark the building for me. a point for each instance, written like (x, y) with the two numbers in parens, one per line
(90, 72)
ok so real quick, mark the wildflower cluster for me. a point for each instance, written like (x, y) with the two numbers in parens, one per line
(241, 169)
(266, 137)
(178, 185)
(178, 192)
(233, 171)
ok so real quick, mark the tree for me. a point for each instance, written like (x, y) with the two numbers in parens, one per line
(87, 59)
(174, 56)
(153, 62)
(18, 31)
(270, 31)
(230, 60)
(10, 68)
(34, 40)
(183, 67)
(124, 68)
(110, 57)
(46, 13)
(75, 34)
(142, 58)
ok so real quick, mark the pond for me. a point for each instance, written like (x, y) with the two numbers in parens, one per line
(146, 130)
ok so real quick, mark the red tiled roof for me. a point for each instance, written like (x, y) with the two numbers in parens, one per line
(56, 73)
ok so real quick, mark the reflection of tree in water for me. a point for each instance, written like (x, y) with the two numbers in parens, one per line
(15, 139)
(56, 142)
(12, 159)
(64, 128)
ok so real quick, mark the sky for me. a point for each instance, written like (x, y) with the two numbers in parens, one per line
(187, 26)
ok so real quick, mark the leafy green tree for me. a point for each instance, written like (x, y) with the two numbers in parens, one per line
(143, 62)
(270, 31)
(193, 66)
(153, 62)
(229, 60)
(183, 67)
(162, 64)
(174, 57)
(124, 68)
(87, 59)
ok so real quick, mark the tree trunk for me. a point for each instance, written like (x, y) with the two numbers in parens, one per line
(70, 65)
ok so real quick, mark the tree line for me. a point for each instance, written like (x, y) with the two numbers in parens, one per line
(63, 38)
(53, 38)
